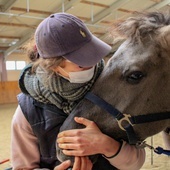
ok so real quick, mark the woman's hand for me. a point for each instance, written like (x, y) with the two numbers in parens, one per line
(81, 163)
(87, 141)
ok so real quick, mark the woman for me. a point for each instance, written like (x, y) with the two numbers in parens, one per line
(66, 62)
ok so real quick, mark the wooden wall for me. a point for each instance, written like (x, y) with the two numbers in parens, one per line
(8, 92)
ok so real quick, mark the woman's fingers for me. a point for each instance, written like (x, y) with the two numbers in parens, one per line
(84, 121)
(70, 133)
(64, 165)
(77, 163)
(82, 163)
(67, 139)
(87, 164)
(68, 146)
(73, 132)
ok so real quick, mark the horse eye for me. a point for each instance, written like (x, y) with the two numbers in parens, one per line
(135, 77)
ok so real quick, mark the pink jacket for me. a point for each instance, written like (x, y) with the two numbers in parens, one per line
(25, 150)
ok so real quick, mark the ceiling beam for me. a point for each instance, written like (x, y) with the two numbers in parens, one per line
(4, 47)
(27, 36)
(66, 6)
(99, 33)
(159, 5)
(31, 11)
(17, 25)
(156, 1)
(9, 37)
(94, 3)
(18, 44)
(116, 6)
(8, 5)
(126, 10)
(107, 11)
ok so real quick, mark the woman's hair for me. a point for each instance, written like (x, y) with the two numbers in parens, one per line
(47, 64)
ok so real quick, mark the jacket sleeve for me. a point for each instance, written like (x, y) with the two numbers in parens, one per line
(129, 157)
(24, 145)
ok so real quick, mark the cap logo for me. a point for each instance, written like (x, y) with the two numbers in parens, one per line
(82, 33)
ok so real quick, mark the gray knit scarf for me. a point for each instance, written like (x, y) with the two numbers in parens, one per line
(53, 89)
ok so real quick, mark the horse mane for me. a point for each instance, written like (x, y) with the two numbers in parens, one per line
(140, 26)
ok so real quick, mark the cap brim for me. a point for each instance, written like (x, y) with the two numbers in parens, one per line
(89, 54)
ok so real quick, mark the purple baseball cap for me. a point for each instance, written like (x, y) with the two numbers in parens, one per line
(63, 34)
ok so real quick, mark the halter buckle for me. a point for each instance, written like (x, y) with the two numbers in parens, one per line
(124, 121)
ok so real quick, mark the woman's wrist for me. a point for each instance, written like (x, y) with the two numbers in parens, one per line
(115, 154)
(112, 147)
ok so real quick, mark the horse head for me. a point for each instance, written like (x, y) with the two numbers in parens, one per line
(135, 80)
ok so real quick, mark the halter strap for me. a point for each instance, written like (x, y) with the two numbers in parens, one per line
(116, 114)
(126, 121)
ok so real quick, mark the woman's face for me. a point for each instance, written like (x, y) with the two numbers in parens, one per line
(67, 66)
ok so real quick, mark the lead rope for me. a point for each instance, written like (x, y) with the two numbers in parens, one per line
(159, 150)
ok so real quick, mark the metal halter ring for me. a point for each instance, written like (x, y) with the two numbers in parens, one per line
(124, 120)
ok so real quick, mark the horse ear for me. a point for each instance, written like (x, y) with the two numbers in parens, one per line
(163, 37)
(123, 28)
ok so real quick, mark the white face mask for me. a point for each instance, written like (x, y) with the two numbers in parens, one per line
(80, 76)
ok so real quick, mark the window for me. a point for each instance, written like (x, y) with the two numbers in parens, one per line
(10, 65)
(20, 65)
(15, 65)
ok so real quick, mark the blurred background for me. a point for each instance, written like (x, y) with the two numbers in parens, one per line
(18, 21)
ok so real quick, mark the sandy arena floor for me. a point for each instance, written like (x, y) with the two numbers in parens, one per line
(153, 160)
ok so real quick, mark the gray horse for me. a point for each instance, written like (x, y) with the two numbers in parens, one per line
(134, 83)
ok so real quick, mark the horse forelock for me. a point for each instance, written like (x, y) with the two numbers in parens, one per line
(140, 28)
